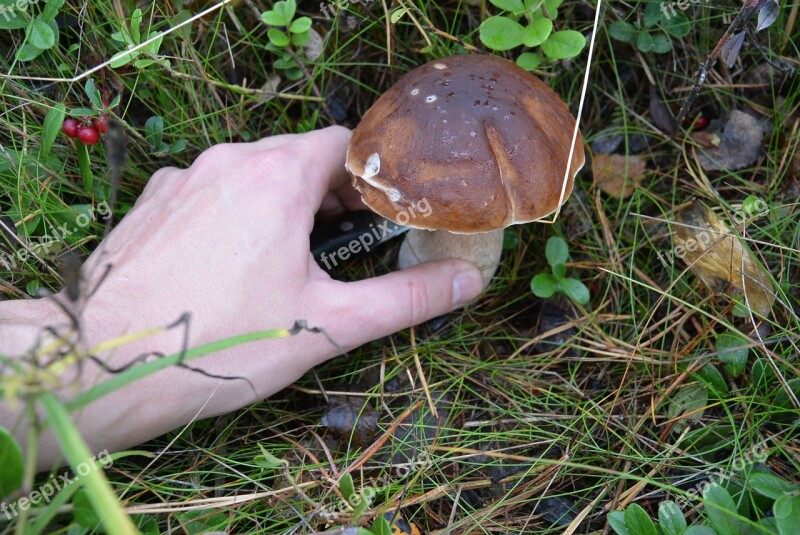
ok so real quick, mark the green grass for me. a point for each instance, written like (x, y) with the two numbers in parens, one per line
(525, 426)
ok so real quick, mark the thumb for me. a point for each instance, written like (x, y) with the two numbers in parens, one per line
(384, 305)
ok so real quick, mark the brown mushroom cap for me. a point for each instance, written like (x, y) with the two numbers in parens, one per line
(483, 141)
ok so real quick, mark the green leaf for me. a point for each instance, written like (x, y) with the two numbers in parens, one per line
(397, 14)
(27, 52)
(268, 461)
(762, 376)
(556, 251)
(771, 485)
(10, 18)
(51, 9)
(136, 22)
(155, 45)
(381, 527)
(143, 63)
(301, 25)
(82, 112)
(644, 42)
(677, 26)
(576, 290)
(689, 400)
(709, 374)
(652, 13)
(501, 33)
(661, 43)
(40, 34)
(529, 60)
(290, 8)
(700, 530)
(616, 519)
(272, 18)
(514, 6)
(83, 512)
(537, 32)
(787, 514)
(294, 74)
(12, 462)
(93, 93)
(670, 518)
(32, 288)
(347, 487)
(638, 521)
(122, 58)
(622, 31)
(721, 510)
(564, 44)
(154, 130)
(299, 39)
(559, 271)
(551, 7)
(278, 37)
(544, 285)
(50, 129)
(732, 350)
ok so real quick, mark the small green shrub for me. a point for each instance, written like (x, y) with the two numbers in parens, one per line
(654, 31)
(530, 23)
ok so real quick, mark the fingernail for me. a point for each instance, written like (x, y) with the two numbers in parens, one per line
(467, 285)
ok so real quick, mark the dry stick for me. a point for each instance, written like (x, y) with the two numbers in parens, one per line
(421, 374)
(700, 76)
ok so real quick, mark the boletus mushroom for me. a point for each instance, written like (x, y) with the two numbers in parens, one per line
(481, 142)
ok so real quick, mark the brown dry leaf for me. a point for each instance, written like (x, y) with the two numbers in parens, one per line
(351, 419)
(722, 260)
(706, 139)
(739, 145)
(616, 174)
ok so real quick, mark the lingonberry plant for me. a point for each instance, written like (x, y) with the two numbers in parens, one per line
(530, 23)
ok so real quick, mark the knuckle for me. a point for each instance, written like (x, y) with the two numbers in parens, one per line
(419, 300)
(213, 156)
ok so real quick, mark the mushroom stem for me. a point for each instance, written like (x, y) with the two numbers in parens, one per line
(482, 249)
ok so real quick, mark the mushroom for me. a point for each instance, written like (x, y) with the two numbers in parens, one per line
(475, 139)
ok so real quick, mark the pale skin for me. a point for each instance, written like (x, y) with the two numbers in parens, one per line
(226, 240)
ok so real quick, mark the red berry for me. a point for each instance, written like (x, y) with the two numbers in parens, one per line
(102, 124)
(70, 127)
(701, 123)
(88, 135)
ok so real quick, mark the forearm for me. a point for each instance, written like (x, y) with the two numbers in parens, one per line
(122, 418)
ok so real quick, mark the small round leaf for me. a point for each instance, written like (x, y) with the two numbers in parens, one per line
(576, 290)
(564, 44)
(544, 285)
(501, 33)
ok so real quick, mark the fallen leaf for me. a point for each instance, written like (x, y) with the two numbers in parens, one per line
(616, 174)
(705, 139)
(349, 419)
(313, 48)
(660, 112)
(720, 259)
(739, 145)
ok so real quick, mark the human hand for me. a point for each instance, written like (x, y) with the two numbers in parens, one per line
(227, 241)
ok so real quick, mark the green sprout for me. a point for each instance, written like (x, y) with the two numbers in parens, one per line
(544, 285)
